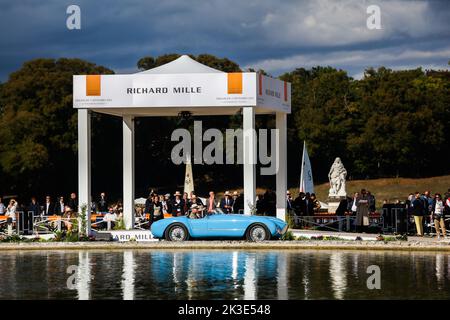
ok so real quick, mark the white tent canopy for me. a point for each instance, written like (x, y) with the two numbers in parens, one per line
(181, 85)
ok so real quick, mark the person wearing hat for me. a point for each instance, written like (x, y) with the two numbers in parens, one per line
(238, 203)
(167, 203)
(226, 204)
(289, 202)
(178, 205)
(196, 200)
(196, 211)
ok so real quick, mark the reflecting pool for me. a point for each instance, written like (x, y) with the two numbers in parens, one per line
(233, 274)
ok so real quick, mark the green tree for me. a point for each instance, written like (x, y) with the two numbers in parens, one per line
(38, 124)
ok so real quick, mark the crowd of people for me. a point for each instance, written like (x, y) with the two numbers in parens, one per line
(181, 204)
(428, 210)
(423, 208)
(156, 206)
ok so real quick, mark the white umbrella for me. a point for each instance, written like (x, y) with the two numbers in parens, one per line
(140, 201)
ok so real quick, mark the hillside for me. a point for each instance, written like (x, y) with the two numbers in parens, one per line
(392, 188)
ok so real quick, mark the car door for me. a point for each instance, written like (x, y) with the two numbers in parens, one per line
(199, 227)
(226, 225)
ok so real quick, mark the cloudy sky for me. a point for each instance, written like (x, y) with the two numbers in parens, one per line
(276, 36)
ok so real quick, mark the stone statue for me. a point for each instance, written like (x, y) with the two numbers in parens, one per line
(337, 177)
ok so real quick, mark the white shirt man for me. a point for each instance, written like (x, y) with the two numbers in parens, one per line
(2, 208)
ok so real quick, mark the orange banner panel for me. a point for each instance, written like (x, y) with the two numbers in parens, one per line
(235, 83)
(93, 85)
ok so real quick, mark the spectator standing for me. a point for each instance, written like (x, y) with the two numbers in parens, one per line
(34, 207)
(178, 205)
(316, 203)
(238, 202)
(417, 210)
(427, 204)
(340, 212)
(438, 215)
(148, 203)
(226, 204)
(167, 204)
(49, 207)
(289, 202)
(447, 204)
(196, 200)
(73, 202)
(59, 207)
(186, 202)
(362, 212)
(156, 209)
(352, 204)
(372, 202)
(11, 210)
(102, 205)
(211, 203)
(299, 208)
(2, 208)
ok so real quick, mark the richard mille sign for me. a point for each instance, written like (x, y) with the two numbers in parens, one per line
(175, 90)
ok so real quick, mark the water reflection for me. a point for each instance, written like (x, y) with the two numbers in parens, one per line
(250, 278)
(84, 276)
(338, 274)
(282, 288)
(222, 275)
(440, 270)
(128, 275)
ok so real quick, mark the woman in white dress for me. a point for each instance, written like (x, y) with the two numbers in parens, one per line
(11, 210)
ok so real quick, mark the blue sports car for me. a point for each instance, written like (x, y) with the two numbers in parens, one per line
(218, 225)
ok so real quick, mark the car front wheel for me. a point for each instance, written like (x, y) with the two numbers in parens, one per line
(257, 233)
(177, 232)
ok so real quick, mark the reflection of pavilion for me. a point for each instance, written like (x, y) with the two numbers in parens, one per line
(84, 276)
(338, 274)
(282, 276)
(250, 278)
(128, 275)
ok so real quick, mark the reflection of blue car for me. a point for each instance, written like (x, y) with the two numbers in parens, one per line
(253, 228)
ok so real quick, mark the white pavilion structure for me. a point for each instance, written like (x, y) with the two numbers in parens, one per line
(181, 85)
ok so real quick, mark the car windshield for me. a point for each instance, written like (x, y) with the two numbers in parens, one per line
(200, 214)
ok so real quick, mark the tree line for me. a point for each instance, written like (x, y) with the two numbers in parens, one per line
(389, 123)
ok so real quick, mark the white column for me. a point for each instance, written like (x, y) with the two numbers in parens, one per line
(281, 184)
(249, 136)
(84, 163)
(128, 171)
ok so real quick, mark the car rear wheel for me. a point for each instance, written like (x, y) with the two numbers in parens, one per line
(257, 232)
(177, 232)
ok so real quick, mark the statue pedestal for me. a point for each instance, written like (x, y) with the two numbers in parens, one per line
(333, 204)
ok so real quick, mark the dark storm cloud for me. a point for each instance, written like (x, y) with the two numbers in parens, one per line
(260, 33)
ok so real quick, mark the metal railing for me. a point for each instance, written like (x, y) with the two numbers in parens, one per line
(334, 223)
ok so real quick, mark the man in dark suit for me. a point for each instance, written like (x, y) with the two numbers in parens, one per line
(49, 207)
(226, 204)
(300, 208)
(238, 202)
(178, 207)
(34, 206)
(60, 206)
(102, 205)
(73, 202)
